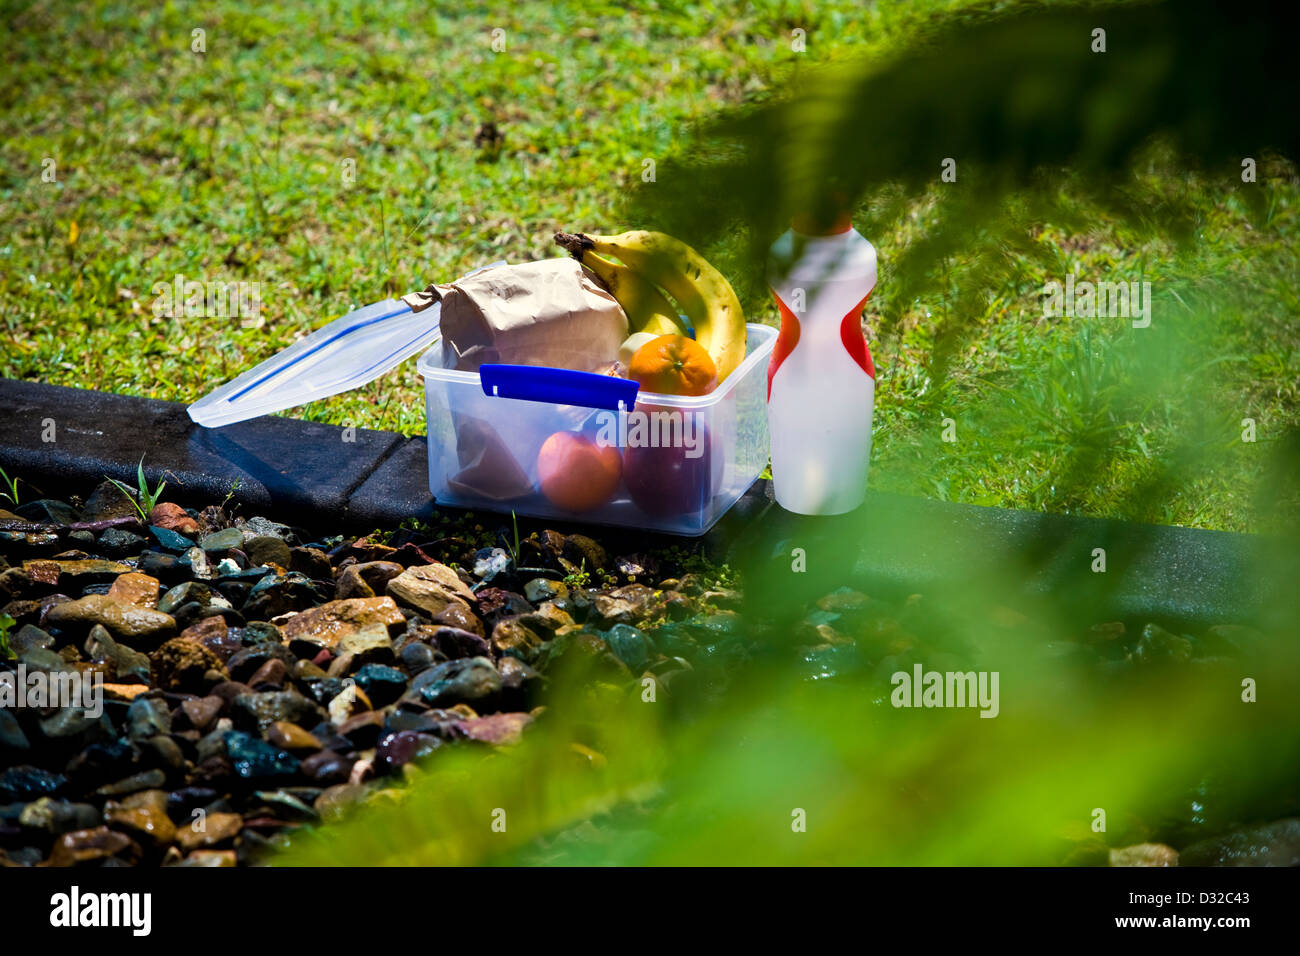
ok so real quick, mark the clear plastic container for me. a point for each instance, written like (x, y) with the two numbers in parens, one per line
(665, 462)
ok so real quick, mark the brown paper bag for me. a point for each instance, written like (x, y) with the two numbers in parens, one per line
(551, 312)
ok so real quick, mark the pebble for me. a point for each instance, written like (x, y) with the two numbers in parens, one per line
(209, 830)
(499, 729)
(94, 845)
(1272, 844)
(264, 709)
(189, 592)
(381, 684)
(173, 517)
(472, 680)
(369, 644)
(137, 626)
(289, 736)
(267, 549)
(539, 590)
(366, 580)
(146, 780)
(430, 588)
(629, 645)
(329, 623)
(456, 642)
(397, 749)
(513, 638)
(55, 816)
(221, 541)
(183, 665)
(1144, 854)
(135, 588)
(257, 760)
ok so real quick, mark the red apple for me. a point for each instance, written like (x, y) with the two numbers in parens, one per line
(668, 481)
(577, 474)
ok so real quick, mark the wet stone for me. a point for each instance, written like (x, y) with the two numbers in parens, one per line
(257, 760)
(182, 664)
(331, 622)
(147, 780)
(94, 846)
(311, 562)
(147, 716)
(266, 549)
(173, 517)
(221, 541)
(25, 783)
(382, 684)
(456, 642)
(135, 625)
(262, 710)
(473, 681)
(397, 749)
(55, 816)
(539, 590)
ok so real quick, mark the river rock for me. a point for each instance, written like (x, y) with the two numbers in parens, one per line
(137, 626)
(183, 665)
(459, 615)
(397, 749)
(430, 588)
(500, 729)
(135, 588)
(329, 623)
(513, 638)
(54, 816)
(173, 517)
(266, 549)
(258, 761)
(1144, 854)
(94, 845)
(1271, 844)
(456, 642)
(472, 681)
(108, 501)
(127, 665)
(289, 736)
(366, 580)
(262, 710)
(209, 830)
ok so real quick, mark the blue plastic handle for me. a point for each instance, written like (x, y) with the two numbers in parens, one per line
(559, 386)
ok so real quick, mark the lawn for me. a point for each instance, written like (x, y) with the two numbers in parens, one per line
(332, 154)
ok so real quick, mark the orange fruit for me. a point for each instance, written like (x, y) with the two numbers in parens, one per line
(674, 365)
(577, 474)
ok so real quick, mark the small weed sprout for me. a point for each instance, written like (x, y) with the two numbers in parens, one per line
(143, 499)
(8, 488)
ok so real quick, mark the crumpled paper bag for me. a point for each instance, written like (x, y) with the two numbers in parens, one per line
(551, 312)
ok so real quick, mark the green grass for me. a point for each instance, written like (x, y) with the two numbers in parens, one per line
(229, 166)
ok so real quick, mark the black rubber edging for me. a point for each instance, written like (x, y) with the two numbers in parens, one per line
(328, 477)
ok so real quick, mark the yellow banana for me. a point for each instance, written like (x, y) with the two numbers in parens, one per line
(647, 309)
(702, 291)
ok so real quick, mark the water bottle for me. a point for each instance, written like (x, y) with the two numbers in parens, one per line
(821, 382)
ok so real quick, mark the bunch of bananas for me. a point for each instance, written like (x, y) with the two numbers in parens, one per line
(649, 262)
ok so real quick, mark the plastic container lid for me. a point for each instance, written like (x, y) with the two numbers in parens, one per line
(342, 355)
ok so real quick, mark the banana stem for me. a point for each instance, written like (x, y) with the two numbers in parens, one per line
(574, 243)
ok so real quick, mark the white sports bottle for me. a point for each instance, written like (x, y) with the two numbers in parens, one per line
(821, 382)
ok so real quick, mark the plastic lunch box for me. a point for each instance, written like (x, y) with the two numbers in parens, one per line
(685, 459)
